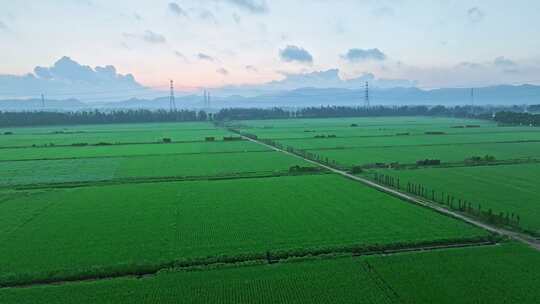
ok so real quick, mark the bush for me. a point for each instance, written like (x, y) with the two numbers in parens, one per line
(167, 140)
(428, 162)
(356, 170)
(298, 169)
(8, 133)
(230, 138)
(79, 144)
(434, 133)
(209, 138)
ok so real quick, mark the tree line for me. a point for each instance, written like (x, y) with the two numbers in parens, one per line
(514, 118)
(13, 119)
(228, 114)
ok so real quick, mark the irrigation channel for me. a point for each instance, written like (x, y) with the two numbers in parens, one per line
(410, 198)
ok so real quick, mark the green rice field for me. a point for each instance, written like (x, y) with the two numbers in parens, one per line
(117, 214)
(504, 188)
(121, 226)
(495, 274)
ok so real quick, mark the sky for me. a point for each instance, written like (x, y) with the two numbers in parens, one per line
(215, 43)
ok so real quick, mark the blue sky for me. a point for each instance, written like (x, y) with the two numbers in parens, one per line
(211, 43)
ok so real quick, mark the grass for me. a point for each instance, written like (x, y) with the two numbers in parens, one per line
(494, 274)
(504, 188)
(115, 229)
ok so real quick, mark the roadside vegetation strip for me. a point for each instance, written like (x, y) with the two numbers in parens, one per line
(210, 262)
(422, 202)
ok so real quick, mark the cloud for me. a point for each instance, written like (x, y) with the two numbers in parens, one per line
(236, 18)
(253, 6)
(3, 26)
(181, 56)
(176, 9)
(251, 68)
(292, 53)
(147, 36)
(222, 71)
(318, 79)
(475, 14)
(469, 65)
(205, 14)
(383, 11)
(356, 55)
(202, 56)
(152, 37)
(503, 62)
(67, 75)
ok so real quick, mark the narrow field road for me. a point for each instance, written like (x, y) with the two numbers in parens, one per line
(413, 199)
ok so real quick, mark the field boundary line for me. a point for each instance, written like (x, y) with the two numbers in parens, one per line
(532, 242)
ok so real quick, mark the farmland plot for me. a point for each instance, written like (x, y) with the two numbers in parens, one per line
(494, 274)
(48, 153)
(178, 166)
(445, 153)
(135, 133)
(116, 229)
(504, 188)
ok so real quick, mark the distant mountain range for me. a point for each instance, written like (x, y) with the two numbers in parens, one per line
(303, 97)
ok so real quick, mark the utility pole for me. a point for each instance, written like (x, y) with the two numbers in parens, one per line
(366, 95)
(208, 98)
(172, 104)
(42, 101)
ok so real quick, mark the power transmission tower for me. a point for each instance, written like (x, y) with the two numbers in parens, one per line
(366, 95)
(172, 103)
(42, 101)
(204, 98)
